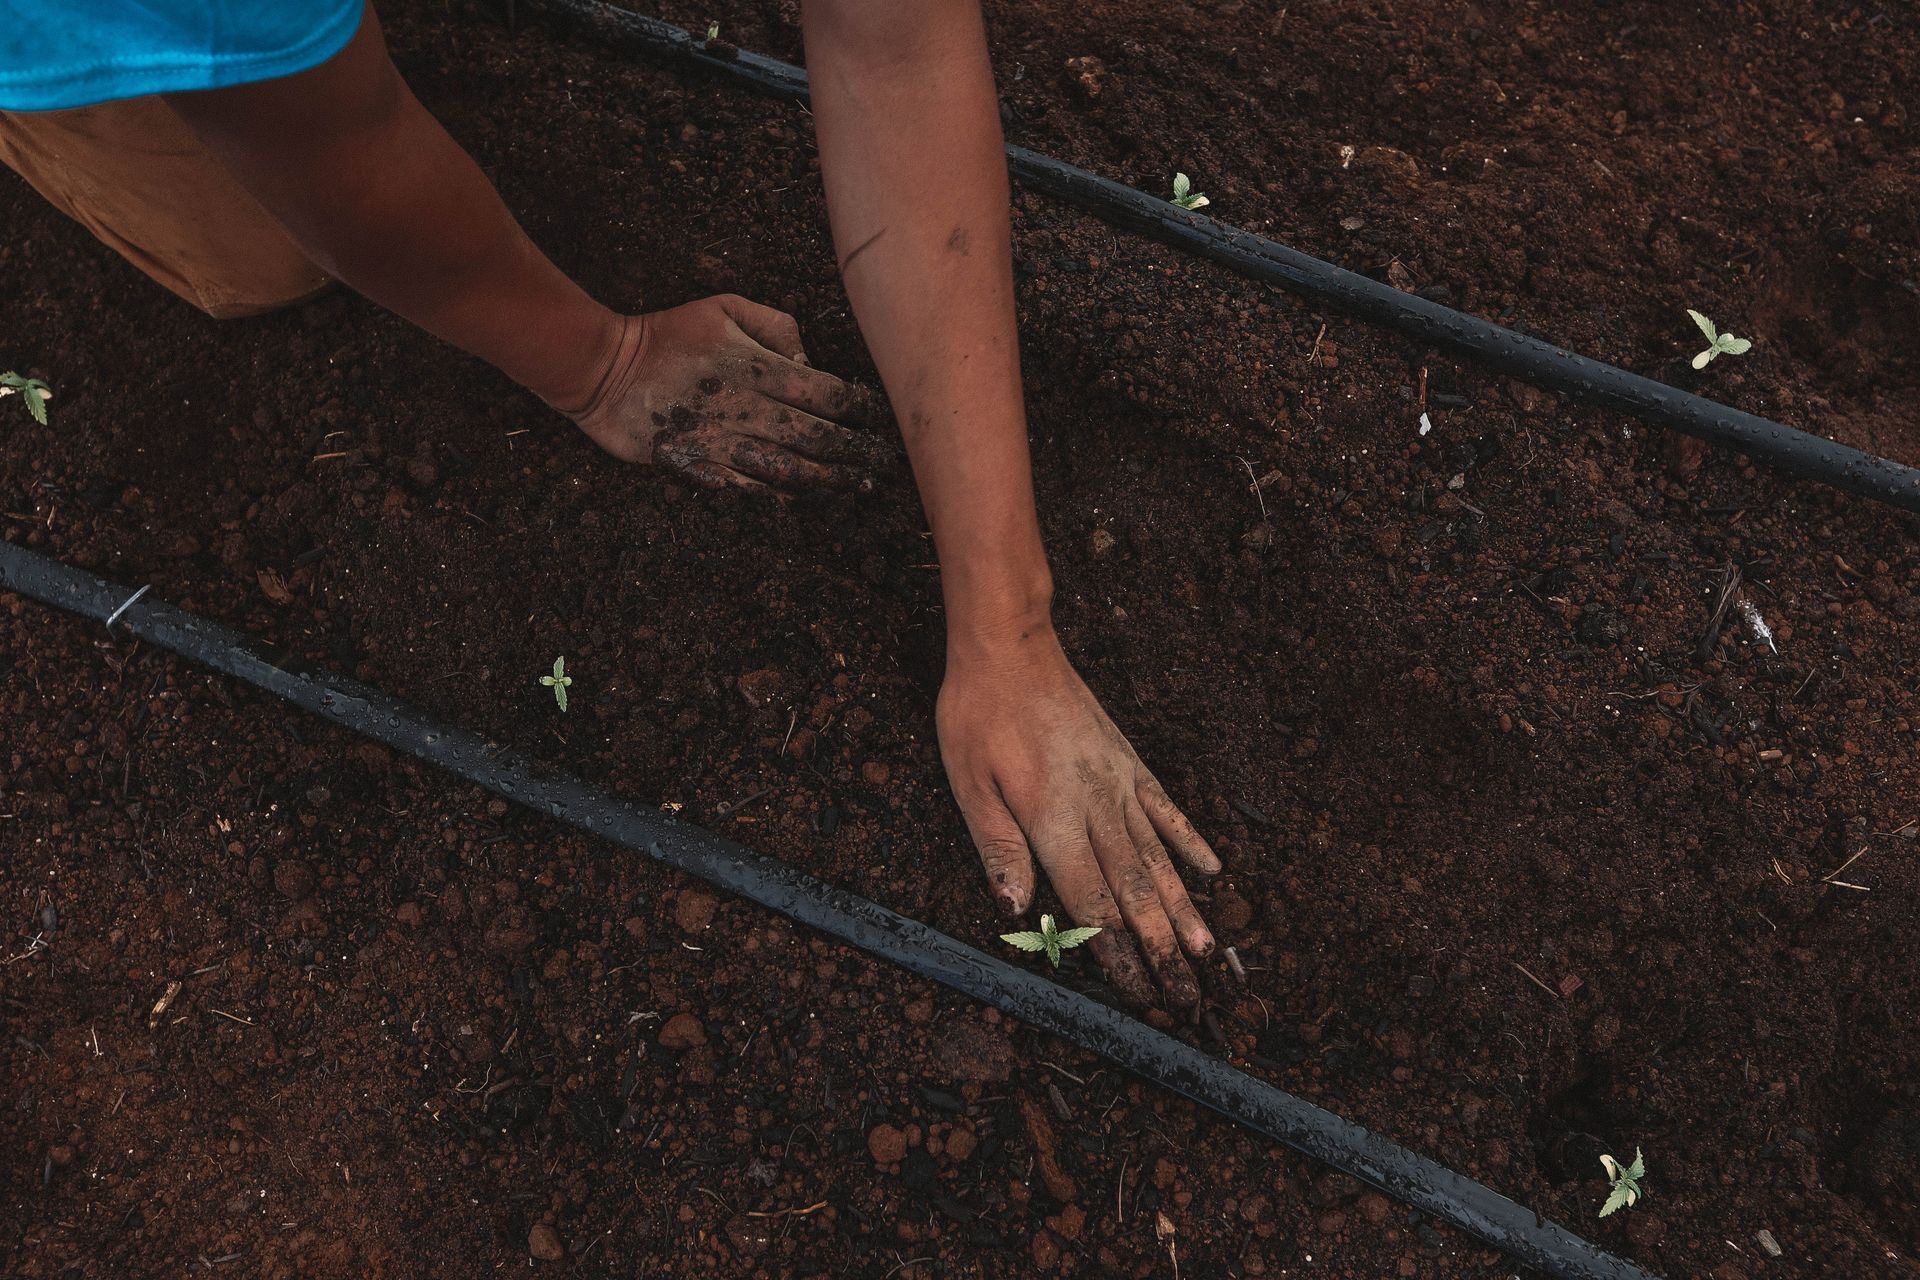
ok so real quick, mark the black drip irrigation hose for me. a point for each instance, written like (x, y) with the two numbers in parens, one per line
(1795, 452)
(913, 946)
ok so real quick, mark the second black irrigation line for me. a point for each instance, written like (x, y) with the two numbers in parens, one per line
(1785, 448)
(914, 946)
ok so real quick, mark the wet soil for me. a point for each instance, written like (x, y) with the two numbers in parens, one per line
(1524, 866)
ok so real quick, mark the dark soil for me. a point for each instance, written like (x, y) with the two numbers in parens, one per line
(1442, 701)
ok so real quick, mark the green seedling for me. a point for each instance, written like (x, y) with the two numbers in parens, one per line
(713, 32)
(32, 392)
(558, 682)
(1718, 343)
(1185, 196)
(1626, 1182)
(1049, 939)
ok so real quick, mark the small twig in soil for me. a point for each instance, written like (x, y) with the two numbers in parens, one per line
(1255, 485)
(1233, 963)
(1833, 877)
(164, 1003)
(232, 1016)
(726, 811)
(782, 1213)
(1063, 1071)
(1536, 981)
(128, 604)
(1717, 618)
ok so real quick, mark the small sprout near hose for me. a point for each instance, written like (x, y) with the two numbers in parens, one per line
(558, 682)
(1718, 343)
(32, 392)
(1626, 1182)
(713, 32)
(1185, 196)
(1049, 939)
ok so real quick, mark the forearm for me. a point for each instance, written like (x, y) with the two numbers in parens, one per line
(916, 181)
(377, 193)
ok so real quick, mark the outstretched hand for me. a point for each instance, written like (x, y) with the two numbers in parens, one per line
(1041, 772)
(720, 390)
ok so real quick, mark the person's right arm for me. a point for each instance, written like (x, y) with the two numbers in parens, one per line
(916, 178)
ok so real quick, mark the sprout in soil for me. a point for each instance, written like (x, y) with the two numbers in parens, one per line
(713, 32)
(1626, 1182)
(1185, 196)
(1718, 343)
(1049, 939)
(558, 682)
(32, 392)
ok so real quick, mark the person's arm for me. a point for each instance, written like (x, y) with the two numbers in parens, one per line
(916, 180)
(379, 196)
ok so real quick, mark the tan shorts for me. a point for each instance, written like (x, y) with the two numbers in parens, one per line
(135, 175)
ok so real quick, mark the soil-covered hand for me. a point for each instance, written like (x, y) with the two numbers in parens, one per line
(1040, 771)
(720, 390)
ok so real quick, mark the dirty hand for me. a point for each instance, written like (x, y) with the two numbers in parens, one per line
(720, 391)
(1041, 772)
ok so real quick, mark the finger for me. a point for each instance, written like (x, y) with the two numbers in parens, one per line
(757, 458)
(771, 327)
(1069, 859)
(800, 431)
(784, 469)
(1174, 827)
(711, 475)
(1002, 845)
(1192, 931)
(816, 391)
(1134, 888)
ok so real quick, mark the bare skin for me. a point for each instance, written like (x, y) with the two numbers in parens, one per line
(377, 194)
(720, 390)
(1039, 770)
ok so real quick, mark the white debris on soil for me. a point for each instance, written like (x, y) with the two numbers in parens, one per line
(1757, 628)
(1768, 1243)
(1426, 424)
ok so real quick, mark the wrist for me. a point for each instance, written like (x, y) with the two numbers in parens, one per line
(1009, 622)
(594, 367)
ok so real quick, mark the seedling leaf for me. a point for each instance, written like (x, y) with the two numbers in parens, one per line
(1049, 939)
(558, 681)
(1626, 1190)
(1184, 195)
(1718, 343)
(32, 392)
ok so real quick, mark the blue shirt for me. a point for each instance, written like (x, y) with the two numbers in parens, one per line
(75, 53)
